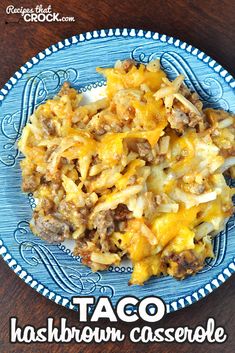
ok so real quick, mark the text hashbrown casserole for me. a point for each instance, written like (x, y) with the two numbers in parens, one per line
(138, 173)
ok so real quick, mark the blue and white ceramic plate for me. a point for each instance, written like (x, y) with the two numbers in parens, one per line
(52, 270)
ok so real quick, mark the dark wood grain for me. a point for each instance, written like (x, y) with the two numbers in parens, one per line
(208, 25)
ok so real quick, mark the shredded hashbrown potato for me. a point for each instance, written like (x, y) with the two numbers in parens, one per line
(137, 173)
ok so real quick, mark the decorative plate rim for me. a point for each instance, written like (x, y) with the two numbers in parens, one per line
(227, 271)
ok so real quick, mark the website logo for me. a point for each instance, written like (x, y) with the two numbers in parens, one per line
(37, 14)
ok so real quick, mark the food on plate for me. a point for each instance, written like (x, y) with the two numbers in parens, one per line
(138, 173)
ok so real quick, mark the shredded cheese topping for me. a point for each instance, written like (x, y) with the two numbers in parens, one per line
(137, 173)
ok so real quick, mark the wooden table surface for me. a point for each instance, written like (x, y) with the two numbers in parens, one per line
(208, 25)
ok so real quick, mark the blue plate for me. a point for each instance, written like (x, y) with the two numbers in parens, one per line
(52, 270)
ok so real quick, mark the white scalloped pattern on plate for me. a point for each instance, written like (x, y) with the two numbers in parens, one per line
(52, 270)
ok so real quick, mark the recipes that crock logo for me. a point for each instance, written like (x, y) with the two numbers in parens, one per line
(38, 14)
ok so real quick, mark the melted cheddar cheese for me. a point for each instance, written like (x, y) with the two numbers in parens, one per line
(136, 174)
